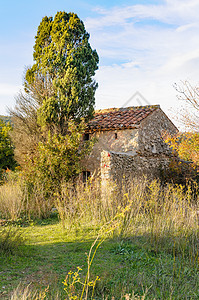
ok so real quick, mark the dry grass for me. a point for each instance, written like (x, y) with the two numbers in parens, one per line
(168, 215)
(150, 207)
(16, 201)
(27, 293)
(11, 201)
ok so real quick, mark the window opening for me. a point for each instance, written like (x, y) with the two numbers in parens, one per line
(116, 135)
(86, 175)
(86, 137)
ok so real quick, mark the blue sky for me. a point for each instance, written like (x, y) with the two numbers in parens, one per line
(143, 46)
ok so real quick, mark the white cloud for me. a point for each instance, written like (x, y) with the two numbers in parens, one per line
(146, 48)
(187, 27)
(171, 12)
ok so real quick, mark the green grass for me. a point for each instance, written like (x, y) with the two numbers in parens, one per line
(123, 266)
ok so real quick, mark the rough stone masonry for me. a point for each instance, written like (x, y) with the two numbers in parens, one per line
(129, 142)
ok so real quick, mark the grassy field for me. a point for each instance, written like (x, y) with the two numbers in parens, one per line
(123, 265)
(156, 258)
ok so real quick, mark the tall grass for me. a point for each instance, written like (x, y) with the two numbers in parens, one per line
(168, 215)
(17, 201)
(84, 203)
(12, 200)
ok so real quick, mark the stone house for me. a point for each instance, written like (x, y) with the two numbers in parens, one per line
(129, 142)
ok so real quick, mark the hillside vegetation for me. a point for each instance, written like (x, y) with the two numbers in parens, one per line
(6, 119)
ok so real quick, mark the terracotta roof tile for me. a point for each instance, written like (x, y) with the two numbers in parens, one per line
(120, 118)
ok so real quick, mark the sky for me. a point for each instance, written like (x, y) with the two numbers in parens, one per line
(143, 46)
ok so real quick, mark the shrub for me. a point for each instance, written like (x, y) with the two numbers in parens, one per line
(7, 160)
(10, 239)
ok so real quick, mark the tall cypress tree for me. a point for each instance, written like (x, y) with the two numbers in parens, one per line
(65, 64)
(57, 100)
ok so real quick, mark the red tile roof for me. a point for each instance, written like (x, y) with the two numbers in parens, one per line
(120, 118)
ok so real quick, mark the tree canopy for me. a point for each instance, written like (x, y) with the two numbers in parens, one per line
(64, 66)
(59, 87)
(7, 160)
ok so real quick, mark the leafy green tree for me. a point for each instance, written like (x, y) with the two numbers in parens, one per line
(7, 160)
(65, 64)
(57, 101)
(57, 159)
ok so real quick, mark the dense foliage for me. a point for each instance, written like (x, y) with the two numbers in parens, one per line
(57, 160)
(5, 119)
(184, 162)
(65, 65)
(57, 101)
(186, 146)
(7, 160)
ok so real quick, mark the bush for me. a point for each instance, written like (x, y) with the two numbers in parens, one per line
(10, 240)
(7, 160)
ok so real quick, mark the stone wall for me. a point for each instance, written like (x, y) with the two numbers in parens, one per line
(124, 167)
(151, 133)
(126, 142)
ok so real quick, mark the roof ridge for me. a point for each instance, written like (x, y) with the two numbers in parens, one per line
(113, 109)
